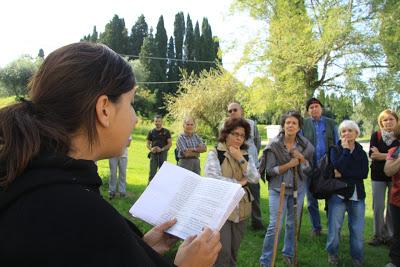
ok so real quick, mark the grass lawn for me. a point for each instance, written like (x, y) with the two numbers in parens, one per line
(311, 250)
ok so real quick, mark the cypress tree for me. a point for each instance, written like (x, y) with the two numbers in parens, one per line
(207, 50)
(94, 36)
(189, 48)
(149, 49)
(179, 32)
(139, 31)
(41, 53)
(197, 48)
(115, 35)
(172, 73)
(161, 41)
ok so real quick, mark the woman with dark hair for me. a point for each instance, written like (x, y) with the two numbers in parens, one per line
(289, 155)
(229, 161)
(51, 211)
(380, 143)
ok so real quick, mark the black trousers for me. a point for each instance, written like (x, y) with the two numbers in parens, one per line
(395, 247)
(256, 220)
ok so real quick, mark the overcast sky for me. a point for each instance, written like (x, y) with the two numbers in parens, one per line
(26, 25)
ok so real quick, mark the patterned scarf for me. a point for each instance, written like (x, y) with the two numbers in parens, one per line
(388, 137)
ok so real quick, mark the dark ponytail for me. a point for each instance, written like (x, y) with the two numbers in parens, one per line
(63, 95)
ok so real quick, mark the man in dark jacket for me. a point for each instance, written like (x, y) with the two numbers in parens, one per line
(322, 133)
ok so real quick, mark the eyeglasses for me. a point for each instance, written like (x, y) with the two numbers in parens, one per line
(233, 110)
(235, 134)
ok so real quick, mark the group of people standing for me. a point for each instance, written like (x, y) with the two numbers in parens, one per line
(290, 157)
(52, 212)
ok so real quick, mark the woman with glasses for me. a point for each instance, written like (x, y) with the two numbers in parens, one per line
(289, 157)
(229, 161)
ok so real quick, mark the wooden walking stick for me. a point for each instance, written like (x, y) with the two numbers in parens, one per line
(278, 222)
(300, 220)
(295, 192)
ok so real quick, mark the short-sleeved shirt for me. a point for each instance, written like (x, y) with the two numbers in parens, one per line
(395, 189)
(184, 142)
(159, 137)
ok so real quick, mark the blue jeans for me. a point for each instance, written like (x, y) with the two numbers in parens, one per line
(313, 209)
(288, 210)
(355, 212)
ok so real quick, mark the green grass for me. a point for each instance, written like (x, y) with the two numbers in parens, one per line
(311, 250)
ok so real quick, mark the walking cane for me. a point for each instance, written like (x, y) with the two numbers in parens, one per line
(300, 220)
(278, 222)
(295, 192)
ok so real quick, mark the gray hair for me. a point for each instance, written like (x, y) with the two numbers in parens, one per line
(188, 118)
(349, 124)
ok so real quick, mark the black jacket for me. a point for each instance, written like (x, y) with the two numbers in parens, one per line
(54, 215)
(353, 167)
(377, 166)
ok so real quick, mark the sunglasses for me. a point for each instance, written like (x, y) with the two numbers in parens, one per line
(233, 110)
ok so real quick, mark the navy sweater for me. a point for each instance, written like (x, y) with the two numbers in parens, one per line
(353, 167)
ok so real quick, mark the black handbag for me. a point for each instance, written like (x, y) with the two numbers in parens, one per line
(323, 183)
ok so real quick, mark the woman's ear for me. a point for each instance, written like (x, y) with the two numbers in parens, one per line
(103, 111)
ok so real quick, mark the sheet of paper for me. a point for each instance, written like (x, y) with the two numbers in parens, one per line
(193, 200)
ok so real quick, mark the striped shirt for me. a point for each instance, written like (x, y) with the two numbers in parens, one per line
(184, 142)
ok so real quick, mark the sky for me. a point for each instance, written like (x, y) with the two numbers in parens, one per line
(26, 25)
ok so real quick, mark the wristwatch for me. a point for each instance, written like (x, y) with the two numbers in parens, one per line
(242, 161)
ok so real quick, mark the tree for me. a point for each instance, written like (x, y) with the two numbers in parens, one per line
(207, 50)
(389, 31)
(205, 98)
(161, 41)
(179, 33)
(172, 72)
(145, 100)
(41, 53)
(139, 31)
(189, 49)
(153, 67)
(95, 35)
(197, 48)
(315, 48)
(16, 75)
(115, 35)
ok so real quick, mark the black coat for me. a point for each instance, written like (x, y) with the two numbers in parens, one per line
(377, 166)
(54, 215)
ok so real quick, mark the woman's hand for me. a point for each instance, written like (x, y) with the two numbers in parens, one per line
(293, 163)
(243, 181)
(297, 155)
(235, 153)
(345, 143)
(376, 155)
(200, 251)
(338, 174)
(158, 239)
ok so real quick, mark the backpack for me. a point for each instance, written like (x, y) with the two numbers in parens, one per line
(323, 183)
(262, 169)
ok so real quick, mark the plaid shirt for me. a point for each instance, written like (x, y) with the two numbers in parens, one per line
(184, 142)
